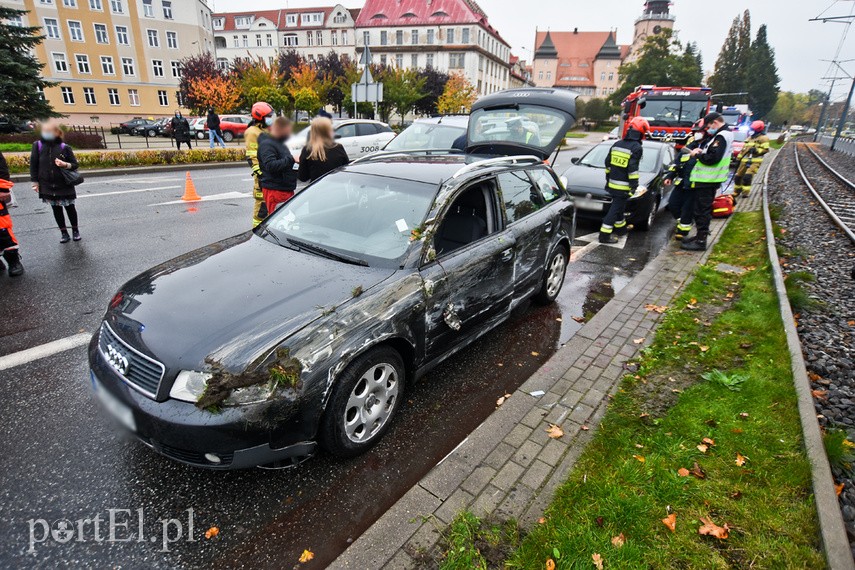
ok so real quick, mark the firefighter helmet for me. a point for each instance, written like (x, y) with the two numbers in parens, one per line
(758, 126)
(261, 110)
(640, 124)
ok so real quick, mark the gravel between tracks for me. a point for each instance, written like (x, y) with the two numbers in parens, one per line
(827, 328)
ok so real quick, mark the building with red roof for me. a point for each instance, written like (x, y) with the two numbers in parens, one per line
(448, 35)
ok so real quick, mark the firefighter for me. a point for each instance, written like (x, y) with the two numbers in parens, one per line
(262, 118)
(8, 243)
(750, 158)
(707, 176)
(681, 203)
(622, 162)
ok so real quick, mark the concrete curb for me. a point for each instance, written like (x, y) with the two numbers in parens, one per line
(833, 532)
(96, 173)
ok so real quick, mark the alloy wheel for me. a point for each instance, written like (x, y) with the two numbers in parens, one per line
(555, 278)
(371, 402)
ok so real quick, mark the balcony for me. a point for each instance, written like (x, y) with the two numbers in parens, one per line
(656, 16)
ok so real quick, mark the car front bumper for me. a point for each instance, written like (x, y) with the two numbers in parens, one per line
(595, 208)
(234, 438)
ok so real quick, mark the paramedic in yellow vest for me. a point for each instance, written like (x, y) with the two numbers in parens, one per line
(709, 173)
(262, 118)
(751, 157)
(518, 133)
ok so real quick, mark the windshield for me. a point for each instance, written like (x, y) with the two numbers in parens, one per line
(370, 218)
(526, 124)
(597, 158)
(740, 136)
(673, 112)
(425, 136)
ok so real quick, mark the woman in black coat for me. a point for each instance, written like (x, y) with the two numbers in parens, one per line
(181, 130)
(47, 159)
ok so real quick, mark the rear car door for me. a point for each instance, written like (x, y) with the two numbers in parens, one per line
(468, 285)
(346, 136)
(367, 139)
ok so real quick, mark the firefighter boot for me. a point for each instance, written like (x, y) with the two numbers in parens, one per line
(699, 243)
(608, 237)
(13, 259)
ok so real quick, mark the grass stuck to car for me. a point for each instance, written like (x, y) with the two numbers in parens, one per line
(698, 462)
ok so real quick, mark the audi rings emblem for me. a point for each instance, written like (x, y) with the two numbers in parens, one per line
(117, 360)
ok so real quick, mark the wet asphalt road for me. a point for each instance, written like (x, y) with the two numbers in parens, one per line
(64, 459)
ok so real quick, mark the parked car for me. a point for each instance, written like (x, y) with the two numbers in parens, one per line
(586, 181)
(232, 126)
(359, 137)
(434, 133)
(151, 129)
(197, 128)
(12, 126)
(394, 264)
(739, 138)
(612, 135)
(127, 128)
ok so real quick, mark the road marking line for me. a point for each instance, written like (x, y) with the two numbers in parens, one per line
(128, 191)
(585, 250)
(211, 198)
(43, 350)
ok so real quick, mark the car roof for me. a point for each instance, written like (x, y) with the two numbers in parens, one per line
(338, 122)
(461, 121)
(647, 144)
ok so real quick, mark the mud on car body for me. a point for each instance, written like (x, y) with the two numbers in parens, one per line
(306, 332)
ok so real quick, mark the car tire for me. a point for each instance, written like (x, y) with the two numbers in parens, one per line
(645, 223)
(365, 399)
(228, 136)
(200, 135)
(152, 134)
(553, 276)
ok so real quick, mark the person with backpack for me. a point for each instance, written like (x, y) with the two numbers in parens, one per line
(8, 242)
(213, 124)
(53, 175)
(622, 163)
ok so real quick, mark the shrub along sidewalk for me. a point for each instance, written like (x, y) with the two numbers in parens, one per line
(698, 462)
(116, 158)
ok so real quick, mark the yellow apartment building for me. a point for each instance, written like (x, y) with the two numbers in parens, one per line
(115, 60)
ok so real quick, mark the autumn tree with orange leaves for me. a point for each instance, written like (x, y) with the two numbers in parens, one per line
(458, 96)
(218, 92)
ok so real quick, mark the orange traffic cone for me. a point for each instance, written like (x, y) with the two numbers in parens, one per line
(190, 194)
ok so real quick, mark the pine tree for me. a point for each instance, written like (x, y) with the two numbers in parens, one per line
(20, 72)
(762, 76)
(743, 53)
(727, 76)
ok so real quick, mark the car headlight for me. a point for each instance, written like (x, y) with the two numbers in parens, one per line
(640, 191)
(190, 385)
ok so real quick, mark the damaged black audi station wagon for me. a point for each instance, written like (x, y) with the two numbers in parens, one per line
(257, 349)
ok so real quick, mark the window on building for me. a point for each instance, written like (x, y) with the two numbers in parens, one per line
(243, 22)
(236, 41)
(611, 76)
(414, 61)
(67, 95)
(258, 42)
(602, 76)
(218, 23)
(134, 97)
(75, 31)
(456, 60)
(222, 63)
(399, 37)
(319, 36)
(344, 37)
(60, 64)
(414, 37)
(122, 35)
(148, 8)
(290, 40)
(366, 38)
(153, 38)
(167, 9)
(101, 35)
(117, 7)
(464, 35)
(431, 33)
(68, 3)
(540, 74)
(176, 68)
(162, 98)
(383, 59)
(291, 20)
(89, 95)
(269, 40)
(429, 60)
(312, 19)
(107, 67)
(96, 5)
(49, 2)
(244, 40)
(172, 40)
(113, 95)
(157, 67)
(399, 60)
(128, 67)
(82, 63)
(384, 37)
(310, 39)
(548, 75)
(449, 36)
(334, 37)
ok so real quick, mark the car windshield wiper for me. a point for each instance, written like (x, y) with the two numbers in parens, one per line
(267, 232)
(328, 253)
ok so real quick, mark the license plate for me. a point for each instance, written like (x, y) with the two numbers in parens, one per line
(593, 205)
(119, 411)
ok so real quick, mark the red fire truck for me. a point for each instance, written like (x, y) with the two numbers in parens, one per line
(671, 111)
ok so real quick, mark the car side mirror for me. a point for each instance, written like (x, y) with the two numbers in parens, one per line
(575, 160)
(337, 136)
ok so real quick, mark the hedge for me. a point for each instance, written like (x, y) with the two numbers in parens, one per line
(116, 158)
(74, 139)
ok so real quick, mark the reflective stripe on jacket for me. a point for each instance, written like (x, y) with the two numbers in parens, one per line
(622, 163)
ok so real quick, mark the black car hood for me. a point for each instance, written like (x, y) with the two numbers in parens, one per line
(232, 301)
(583, 180)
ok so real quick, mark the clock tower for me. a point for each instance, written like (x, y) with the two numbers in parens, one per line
(656, 17)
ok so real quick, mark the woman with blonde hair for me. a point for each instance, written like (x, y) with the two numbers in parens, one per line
(321, 153)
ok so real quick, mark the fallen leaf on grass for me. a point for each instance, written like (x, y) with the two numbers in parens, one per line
(703, 447)
(740, 459)
(598, 561)
(656, 308)
(212, 532)
(744, 415)
(736, 495)
(541, 520)
(683, 472)
(554, 431)
(671, 522)
(306, 556)
(708, 441)
(619, 540)
(704, 348)
(698, 472)
(550, 564)
(639, 458)
(729, 295)
(579, 319)
(839, 488)
(599, 521)
(711, 529)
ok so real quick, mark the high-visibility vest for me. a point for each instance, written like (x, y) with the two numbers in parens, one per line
(716, 173)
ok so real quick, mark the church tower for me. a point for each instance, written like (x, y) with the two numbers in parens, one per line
(657, 16)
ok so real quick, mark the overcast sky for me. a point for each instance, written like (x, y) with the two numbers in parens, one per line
(799, 45)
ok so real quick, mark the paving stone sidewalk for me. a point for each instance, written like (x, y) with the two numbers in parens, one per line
(509, 467)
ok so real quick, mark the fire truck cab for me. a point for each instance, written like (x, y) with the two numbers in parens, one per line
(671, 111)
